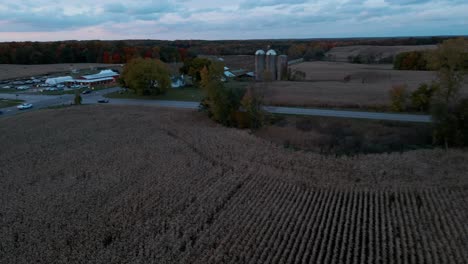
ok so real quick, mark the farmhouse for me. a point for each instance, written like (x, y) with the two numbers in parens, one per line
(177, 81)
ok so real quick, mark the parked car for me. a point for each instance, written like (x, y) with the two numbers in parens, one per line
(6, 87)
(23, 87)
(86, 92)
(24, 106)
(103, 101)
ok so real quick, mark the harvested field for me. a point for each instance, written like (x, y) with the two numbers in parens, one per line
(325, 85)
(110, 184)
(12, 71)
(376, 52)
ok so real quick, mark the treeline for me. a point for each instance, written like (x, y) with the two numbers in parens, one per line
(95, 51)
(419, 61)
(412, 60)
(85, 52)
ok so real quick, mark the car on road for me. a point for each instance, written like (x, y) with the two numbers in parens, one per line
(86, 92)
(24, 106)
(103, 101)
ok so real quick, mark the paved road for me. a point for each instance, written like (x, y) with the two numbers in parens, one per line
(349, 114)
(43, 101)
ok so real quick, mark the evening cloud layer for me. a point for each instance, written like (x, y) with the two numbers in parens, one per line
(234, 19)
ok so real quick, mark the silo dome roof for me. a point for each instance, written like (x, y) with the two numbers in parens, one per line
(260, 52)
(271, 52)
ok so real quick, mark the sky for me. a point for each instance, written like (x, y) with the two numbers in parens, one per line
(48, 20)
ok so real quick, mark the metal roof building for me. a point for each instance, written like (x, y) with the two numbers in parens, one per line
(58, 80)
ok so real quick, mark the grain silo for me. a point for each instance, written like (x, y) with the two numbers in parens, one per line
(271, 64)
(259, 65)
(282, 68)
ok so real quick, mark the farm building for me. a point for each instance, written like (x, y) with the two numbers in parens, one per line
(104, 76)
(177, 81)
(59, 80)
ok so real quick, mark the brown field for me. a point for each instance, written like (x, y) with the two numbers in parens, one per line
(110, 184)
(12, 71)
(339, 136)
(342, 53)
(368, 85)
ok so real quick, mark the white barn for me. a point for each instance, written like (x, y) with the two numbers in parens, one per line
(59, 80)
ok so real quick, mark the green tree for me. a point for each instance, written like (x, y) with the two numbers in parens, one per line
(78, 98)
(193, 68)
(421, 98)
(449, 60)
(220, 102)
(146, 76)
(252, 104)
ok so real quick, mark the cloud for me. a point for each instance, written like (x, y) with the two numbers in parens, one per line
(264, 3)
(230, 19)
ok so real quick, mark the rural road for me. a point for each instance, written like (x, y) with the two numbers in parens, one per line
(43, 101)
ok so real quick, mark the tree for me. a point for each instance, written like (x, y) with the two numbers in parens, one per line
(421, 98)
(78, 98)
(449, 60)
(252, 104)
(398, 98)
(146, 76)
(193, 68)
(220, 102)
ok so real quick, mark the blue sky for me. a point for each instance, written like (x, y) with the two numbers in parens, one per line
(45, 20)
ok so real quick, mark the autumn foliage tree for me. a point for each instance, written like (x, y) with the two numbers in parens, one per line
(449, 110)
(220, 102)
(146, 76)
(398, 98)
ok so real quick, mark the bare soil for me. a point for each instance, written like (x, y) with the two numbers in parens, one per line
(127, 184)
(13, 71)
(344, 85)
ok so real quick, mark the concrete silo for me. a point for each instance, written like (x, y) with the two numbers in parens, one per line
(271, 64)
(282, 68)
(259, 65)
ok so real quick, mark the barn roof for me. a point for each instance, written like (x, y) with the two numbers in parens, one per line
(100, 75)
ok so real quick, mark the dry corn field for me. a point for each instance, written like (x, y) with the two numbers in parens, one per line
(125, 184)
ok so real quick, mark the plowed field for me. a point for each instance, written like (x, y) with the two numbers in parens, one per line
(110, 184)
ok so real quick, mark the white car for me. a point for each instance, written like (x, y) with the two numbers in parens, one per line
(24, 87)
(24, 106)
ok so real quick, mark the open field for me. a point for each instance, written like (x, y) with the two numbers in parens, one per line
(377, 52)
(12, 71)
(367, 86)
(127, 184)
